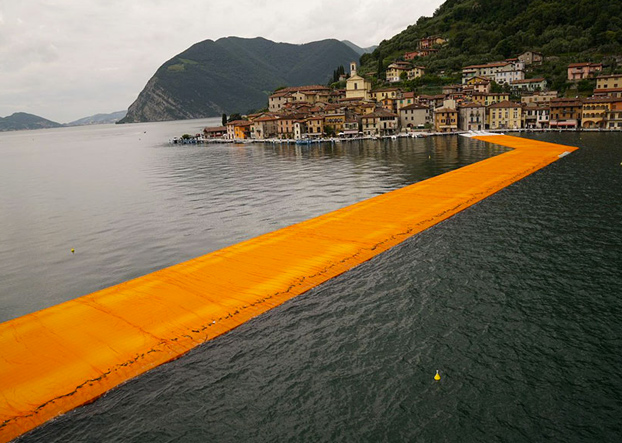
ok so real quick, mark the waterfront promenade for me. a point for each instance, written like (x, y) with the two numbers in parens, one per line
(56, 359)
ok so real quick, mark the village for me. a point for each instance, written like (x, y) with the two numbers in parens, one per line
(314, 112)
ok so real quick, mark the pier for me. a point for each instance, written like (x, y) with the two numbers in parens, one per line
(56, 359)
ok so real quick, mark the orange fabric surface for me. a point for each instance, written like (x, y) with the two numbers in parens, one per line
(56, 359)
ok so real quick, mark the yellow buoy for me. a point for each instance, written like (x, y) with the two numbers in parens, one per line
(73, 250)
(437, 377)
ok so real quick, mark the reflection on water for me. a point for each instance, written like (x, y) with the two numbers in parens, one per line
(129, 203)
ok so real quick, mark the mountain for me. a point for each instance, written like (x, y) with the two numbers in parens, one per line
(481, 31)
(233, 75)
(99, 119)
(22, 120)
(358, 49)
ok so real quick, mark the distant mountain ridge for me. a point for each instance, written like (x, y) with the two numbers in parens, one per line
(358, 49)
(233, 75)
(22, 120)
(99, 119)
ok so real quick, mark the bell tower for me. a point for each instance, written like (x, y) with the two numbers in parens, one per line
(352, 69)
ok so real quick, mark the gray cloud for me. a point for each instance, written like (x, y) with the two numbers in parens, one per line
(64, 59)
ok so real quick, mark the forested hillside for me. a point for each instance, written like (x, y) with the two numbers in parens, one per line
(486, 30)
(22, 120)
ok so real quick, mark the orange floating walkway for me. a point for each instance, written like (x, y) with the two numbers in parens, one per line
(56, 359)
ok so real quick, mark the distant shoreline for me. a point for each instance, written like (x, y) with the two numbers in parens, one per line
(178, 140)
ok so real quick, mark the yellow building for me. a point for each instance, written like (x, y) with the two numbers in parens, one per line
(389, 104)
(357, 86)
(446, 119)
(395, 70)
(429, 42)
(365, 108)
(489, 98)
(595, 111)
(335, 121)
(539, 97)
(609, 81)
(380, 94)
(505, 115)
(610, 85)
(315, 126)
(358, 107)
(239, 129)
(565, 113)
(415, 72)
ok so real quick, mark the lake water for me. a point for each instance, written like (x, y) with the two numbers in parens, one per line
(516, 300)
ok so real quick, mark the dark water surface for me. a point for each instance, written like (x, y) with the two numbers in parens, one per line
(515, 300)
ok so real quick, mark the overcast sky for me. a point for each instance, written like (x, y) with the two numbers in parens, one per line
(68, 59)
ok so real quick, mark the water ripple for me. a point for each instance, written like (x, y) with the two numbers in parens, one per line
(515, 300)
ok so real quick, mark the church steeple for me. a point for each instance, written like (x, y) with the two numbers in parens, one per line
(352, 69)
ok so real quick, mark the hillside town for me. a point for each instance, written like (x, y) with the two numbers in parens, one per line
(358, 110)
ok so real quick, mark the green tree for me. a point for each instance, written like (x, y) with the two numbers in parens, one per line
(224, 119)
(234, 117)
(586, 86)
(495, 87)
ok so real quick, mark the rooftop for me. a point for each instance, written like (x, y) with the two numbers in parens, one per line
(584, 64)
(505, 104)
(445, 110)
(413, 106)
(609, 76)
(528, 80)
(472, 105)
(380, 113)
(488, 65)
(384, 90)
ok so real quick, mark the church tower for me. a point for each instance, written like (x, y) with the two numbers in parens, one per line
(352, 69)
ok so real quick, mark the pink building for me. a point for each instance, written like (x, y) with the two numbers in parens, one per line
(411, 55)
(579, 71)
